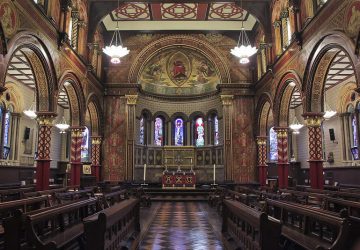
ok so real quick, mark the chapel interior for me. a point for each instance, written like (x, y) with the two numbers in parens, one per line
(204, 124)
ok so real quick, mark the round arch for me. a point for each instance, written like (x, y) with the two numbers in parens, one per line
(205, 48)
(162, 114)
(262, 111)
(197, 114)
(95, 111)
(41, 64)
(70, 82)
(318, 65)
(284, 93)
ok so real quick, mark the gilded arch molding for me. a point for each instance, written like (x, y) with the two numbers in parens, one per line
(75, 96)
(318, 65)
(95, 111)
(41, 64)
(263, 109)
(197, 44)
(283, 97)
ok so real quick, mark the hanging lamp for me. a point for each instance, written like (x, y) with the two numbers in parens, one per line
(31, 111)
(328, 111)
(243, 50)
(295, 126)
(116, 50)
(62, 125)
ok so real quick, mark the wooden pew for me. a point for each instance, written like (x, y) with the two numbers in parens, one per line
(60, 227)
(14, 194)
(74, 195)
(145, 199)
(247, 228)
(111, 199)
(336, 205)
(115, 227)
(303, 197)
(313, 228)
(14, 226)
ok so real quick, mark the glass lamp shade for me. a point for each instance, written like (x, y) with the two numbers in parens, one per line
(244, 52)
(115, 52)
(295, 126)
(62, 126)
(329, 113)
(31, 112)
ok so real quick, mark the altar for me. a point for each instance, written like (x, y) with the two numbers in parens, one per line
(179, 180)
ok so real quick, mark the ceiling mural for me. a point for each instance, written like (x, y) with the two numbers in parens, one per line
(176, 71)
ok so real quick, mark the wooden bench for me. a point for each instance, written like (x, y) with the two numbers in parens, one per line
(336, 205)
(247, 228)
(59, 227)
(115, 227)
(74, 195)
(312, 228)
(145, 199)
(111, 199)
(14, 194)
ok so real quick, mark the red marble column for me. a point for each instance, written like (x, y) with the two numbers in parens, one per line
(283, 159)
(313, 122)
(261, 142)
(43, 150)
(75, 155)
(95, 156)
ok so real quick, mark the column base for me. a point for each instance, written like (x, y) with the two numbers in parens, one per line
(42, 174)
(95, 171)
(283, 173)
(75, 174)
(316, 174)
(262, 175)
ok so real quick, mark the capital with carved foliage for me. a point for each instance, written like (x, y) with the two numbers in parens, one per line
(261, 140)
(77, 131)
(45, 118)
(227, 99)
(131, 99)
(281, 132)
(96, 140)
(313, 119)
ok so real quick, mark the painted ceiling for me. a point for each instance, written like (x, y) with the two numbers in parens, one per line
(166, 16)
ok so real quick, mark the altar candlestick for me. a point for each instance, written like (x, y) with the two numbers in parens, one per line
(144, 172)
(214, 173)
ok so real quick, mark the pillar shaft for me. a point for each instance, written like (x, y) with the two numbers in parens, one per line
(43, 150)
(313, 122)
(261, 142)
(130, 135)
(96, 156)
(75, 155)
(227, 101)
(283, 159)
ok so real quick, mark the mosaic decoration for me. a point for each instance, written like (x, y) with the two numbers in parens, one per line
(9, 19)
(352, 19)
(177, 71)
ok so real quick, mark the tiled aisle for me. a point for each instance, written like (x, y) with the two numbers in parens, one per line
(183, 225)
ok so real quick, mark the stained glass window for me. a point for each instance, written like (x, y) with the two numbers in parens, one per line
(199, 132)
(159, 131)
(179, 132)
(142, 131)
(354, 129)
(216, 130)
(85, 146)
(6, 128)
(273, 145)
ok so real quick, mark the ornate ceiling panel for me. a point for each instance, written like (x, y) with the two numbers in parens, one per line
(160, 13)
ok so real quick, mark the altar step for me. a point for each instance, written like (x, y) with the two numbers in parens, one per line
(178, 195)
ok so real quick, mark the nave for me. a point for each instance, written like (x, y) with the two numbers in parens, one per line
(113, 216)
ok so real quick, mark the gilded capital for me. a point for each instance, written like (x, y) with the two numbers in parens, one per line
(261, 141)
(281, 132)
(131, 99)
(77, 132)
(313, 120)
(96, 140)
(227, 99)
(45, 119)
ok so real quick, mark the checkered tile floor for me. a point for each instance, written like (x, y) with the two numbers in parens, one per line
(181, 225)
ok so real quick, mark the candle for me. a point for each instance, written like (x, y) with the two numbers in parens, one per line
(144, 172)
(214, 173)
(191, 161)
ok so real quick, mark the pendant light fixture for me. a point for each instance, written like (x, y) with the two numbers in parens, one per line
(31, 111)
(295, 126)
(62, 125)
(243, 50)
(328, 111)
(116, 50)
